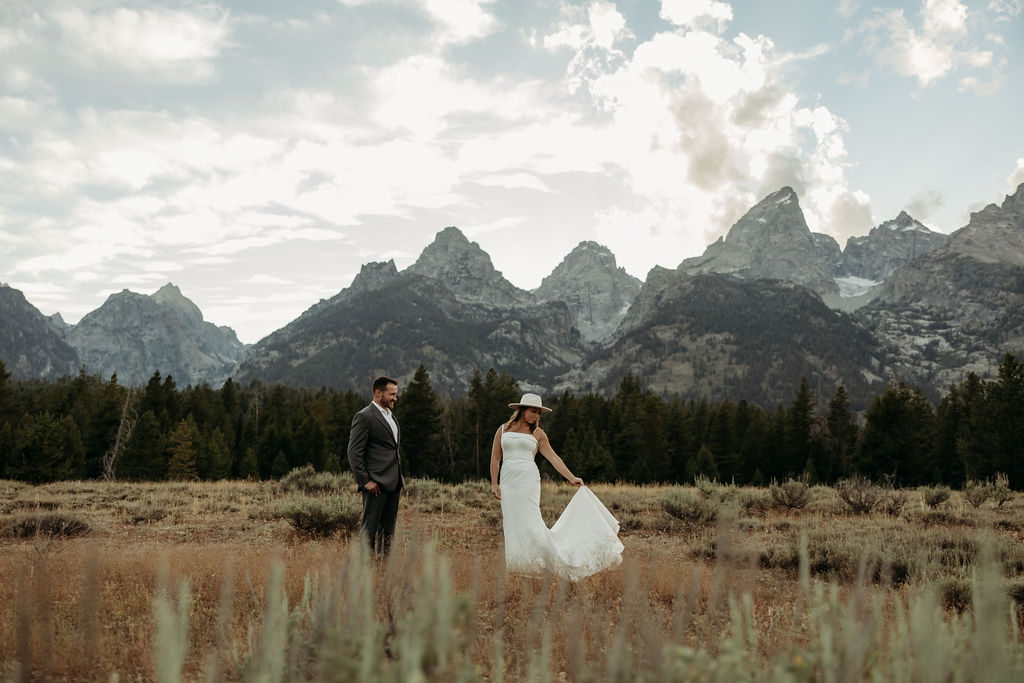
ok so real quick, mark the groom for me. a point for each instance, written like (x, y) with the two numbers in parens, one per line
(373, 455)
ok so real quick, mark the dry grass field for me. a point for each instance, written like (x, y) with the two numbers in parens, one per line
(210, 581)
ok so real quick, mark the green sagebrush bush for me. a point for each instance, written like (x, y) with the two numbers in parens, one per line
(934, 496)
(859, 494)
(977, 492)
(308, 481)
(321, 516)
(51, 524)
(1001, 492)
(690, 508)
(793, 494)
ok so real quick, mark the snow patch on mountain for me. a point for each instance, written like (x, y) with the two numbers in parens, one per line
(851, 285)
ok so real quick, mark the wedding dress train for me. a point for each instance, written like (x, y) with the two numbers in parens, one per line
(582, 542)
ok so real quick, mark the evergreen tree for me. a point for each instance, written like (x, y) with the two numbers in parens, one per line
(279, 466)
(181, 461)
(841, 436)
(596, 463)
(7, 415)
(898, 432)
(419, 414)
(799, 424)
(249, 466)
(950, 423)
(217, 455)
(702, 463)
(1007, 405)
(144, 456)
(310, 444)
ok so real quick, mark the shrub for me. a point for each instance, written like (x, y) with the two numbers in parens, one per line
(934, 496)
(956, 594)
(859, 494)
(53, 524)
(707, 486)
(794, 494)
(893, 501)
(1001, 492)
(689, 508)
(307, 480)
(147, 512)
(491, 518)
(1015, 589)
(323, 516)
(753, 502)
(475, 493)
(977, 492)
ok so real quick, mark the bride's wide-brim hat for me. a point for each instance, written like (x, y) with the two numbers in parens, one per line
(529, 401)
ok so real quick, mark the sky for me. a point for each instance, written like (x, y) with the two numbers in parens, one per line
(257, 153)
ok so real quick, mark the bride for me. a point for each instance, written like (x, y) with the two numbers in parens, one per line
(582, 542)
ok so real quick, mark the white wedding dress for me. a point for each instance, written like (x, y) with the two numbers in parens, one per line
(582, 542)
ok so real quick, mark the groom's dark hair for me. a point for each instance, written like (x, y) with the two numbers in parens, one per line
(382, 383)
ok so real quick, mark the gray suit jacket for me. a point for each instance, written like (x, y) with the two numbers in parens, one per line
(373, 450)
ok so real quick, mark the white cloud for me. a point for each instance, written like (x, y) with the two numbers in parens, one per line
(176, 45)
(703, 127)
(1006, 10)
(847, 8)
(607, 24)
(941, 43)
(697, 13)
(515, 180)
(264, 279)
(1017, 177)
(460, 21)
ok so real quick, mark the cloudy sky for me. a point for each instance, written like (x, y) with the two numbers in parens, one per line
(256, 152)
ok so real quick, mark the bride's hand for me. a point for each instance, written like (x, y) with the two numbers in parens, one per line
(496, 490)
(576, 481)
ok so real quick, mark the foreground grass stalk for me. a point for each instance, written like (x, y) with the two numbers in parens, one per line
(171, 642)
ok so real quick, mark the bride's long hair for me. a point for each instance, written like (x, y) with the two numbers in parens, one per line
(515, 418)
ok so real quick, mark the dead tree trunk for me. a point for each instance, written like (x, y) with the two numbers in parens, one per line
(124, 432)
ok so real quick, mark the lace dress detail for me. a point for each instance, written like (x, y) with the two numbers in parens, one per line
(582, 542)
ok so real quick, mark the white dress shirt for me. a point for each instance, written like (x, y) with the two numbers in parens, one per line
(389, 417)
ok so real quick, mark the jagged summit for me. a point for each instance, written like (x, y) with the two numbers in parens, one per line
(904, 221)
(995, 234)
(135, 335)
(467, 269)
(374, 274)
(30, 344)
(597, 291)
(170, 295)
(770, 241)
(888, 246)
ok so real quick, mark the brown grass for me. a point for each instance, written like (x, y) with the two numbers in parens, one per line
(83, 608)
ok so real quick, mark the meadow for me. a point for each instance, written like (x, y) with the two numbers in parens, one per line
(263, 581)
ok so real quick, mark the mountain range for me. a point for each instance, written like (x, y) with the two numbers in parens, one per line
(767, 304)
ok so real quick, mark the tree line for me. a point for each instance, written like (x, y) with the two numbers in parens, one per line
(86, 427)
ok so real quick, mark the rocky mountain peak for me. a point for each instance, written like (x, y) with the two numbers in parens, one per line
(374, 274)
(597, 291)
(771, 241)
(171, 297)
(994, 234)
(888, 246)
(134, 335)
(451, 254)
(467, 269)
(772, 221)
(30, 344)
